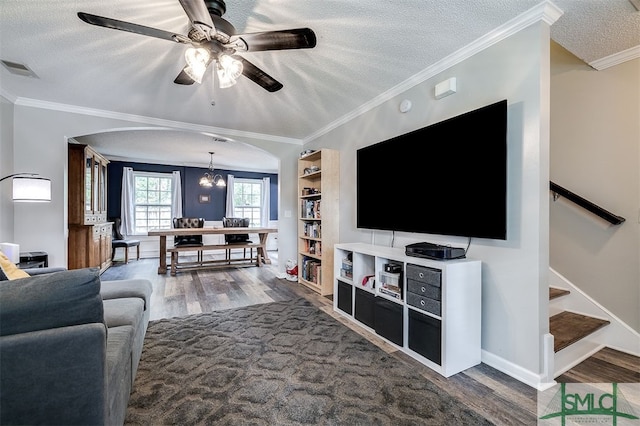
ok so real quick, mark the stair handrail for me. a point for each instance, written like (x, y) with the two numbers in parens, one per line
(584, 203)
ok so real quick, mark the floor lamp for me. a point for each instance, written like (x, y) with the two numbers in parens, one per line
(30, 187)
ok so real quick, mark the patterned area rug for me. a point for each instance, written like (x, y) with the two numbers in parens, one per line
(281, 363)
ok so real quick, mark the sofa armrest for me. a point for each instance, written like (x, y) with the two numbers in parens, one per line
(54, 376)
(134, 287)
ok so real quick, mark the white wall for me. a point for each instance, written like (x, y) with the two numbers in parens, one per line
(514, 296)
(40, 145)
(595, 152)
(6, 168)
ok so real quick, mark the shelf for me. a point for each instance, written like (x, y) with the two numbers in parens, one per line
(312, 175)
(312, 255)
(318, 221)
(437, 320)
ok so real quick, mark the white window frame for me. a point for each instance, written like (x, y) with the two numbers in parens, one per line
(163, 208)
(254, 210)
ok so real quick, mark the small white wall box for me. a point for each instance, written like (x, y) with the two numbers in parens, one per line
(12, 251)
(445, 88)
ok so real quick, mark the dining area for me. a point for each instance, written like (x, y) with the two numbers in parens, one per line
(187, 237)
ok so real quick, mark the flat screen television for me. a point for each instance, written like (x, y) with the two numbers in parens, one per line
(449, 178)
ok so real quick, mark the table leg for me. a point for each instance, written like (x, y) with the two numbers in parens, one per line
(162, 269)
(262, 250)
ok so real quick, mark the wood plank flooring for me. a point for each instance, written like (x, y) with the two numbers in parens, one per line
(497, 396)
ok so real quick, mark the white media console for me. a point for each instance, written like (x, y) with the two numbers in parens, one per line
(429, 309)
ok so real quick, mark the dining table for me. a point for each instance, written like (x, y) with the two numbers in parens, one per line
(263, 233)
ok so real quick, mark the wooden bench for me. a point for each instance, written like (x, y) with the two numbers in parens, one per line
(201, 264)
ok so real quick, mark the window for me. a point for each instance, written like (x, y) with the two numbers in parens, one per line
(153, 193)
(247, 199)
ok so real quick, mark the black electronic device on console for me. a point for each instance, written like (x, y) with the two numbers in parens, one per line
(434, 251)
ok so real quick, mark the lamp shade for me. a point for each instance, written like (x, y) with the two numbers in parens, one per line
(31, 189)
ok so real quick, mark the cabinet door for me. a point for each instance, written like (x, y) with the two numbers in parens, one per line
(102, 197)
(88, 186)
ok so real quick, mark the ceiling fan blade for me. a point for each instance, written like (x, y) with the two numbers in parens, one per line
(298, 38)
(116, 24)
(183, 78)
(258, 76)
(199, 16)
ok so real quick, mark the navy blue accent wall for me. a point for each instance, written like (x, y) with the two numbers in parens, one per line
(191, 190)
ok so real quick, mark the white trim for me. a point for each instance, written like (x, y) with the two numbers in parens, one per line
(616, 58)
(527, 377)
(545, 11)
(35, 103)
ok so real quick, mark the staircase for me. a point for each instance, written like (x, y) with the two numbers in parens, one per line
(573, 333)
(581, 327)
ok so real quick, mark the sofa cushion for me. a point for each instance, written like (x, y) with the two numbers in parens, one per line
(48, 301)
(9, 271)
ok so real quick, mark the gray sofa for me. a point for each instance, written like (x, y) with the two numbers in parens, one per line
(69, 347)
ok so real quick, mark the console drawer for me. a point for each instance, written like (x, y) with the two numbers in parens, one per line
(424, 303)
(424, 274)
(423, 289)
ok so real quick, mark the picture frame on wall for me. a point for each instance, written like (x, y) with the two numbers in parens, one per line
(204, 198)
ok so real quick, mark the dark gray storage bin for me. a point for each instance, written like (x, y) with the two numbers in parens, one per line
(424, 289)
(424, 303)
(365, 307)
(388, 320)
(424, 274)
(345, 297)
(425, 336)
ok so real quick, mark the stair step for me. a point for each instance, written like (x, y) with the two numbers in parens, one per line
(568, 327)
(554, 292)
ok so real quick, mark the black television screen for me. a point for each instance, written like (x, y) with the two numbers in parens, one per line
(449, 178)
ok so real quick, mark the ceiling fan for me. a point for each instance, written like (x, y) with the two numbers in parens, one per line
(214, 39)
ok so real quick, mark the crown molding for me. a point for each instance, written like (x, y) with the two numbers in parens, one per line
(546, 12)
(616, 58)
(35, 103)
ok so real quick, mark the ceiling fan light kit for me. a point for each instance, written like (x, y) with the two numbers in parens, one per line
(213, 38)
(229, 70)
(197, 60)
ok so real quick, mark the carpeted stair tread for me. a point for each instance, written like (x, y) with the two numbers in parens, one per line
(569, 327)
(554, 292)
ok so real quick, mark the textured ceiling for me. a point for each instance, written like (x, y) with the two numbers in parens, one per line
(364, 49)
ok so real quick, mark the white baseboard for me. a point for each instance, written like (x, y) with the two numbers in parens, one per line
(527, 377)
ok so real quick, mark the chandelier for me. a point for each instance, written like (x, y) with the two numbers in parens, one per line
(210, 178)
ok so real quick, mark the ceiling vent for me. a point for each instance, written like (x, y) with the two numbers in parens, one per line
(18, 69)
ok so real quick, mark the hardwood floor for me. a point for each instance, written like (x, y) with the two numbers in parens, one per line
(497, 396)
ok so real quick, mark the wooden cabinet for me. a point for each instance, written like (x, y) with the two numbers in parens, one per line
(428, 309)
(318, 227)
(89, 243)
